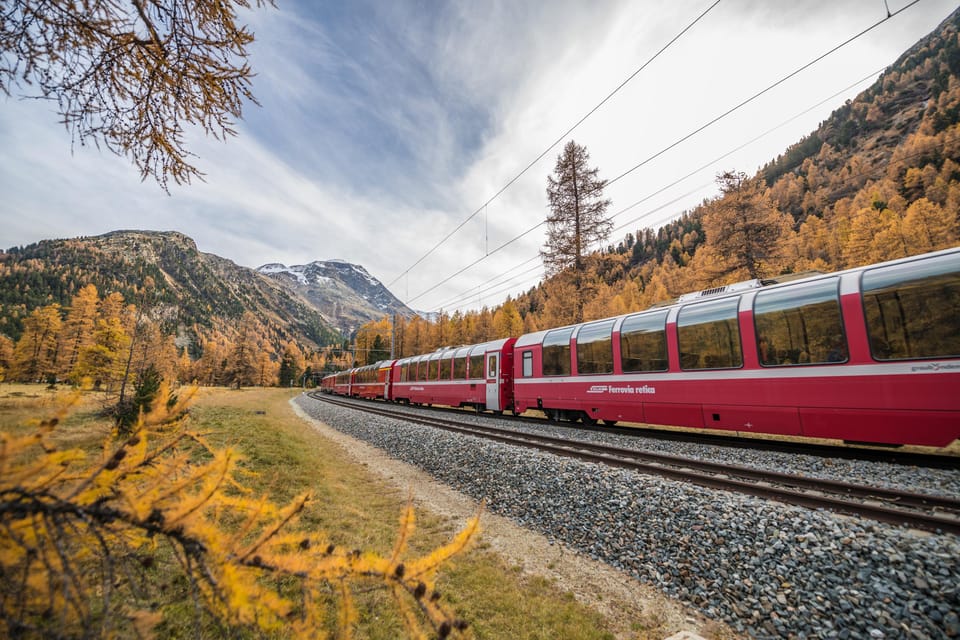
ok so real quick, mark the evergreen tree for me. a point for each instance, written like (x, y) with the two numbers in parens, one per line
(576, 219)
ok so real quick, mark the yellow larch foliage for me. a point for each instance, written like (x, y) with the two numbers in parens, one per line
(80, 540)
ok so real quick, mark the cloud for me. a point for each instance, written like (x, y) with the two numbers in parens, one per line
(385, 125)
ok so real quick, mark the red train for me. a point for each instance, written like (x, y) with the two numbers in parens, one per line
(868, 355)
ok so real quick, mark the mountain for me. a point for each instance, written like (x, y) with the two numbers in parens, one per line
(344, 293)
(196, 293)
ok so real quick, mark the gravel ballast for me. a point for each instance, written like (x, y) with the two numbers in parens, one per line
(767, 569)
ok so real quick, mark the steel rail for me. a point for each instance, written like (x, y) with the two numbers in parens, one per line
(792, 489)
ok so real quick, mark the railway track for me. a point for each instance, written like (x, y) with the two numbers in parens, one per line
(867, 452)
(915, 510)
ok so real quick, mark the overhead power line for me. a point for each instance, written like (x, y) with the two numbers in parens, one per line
(554, 144)
(760, 93)
(674, 144)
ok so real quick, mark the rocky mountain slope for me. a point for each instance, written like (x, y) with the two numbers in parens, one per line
(344, 293)
(196, 292)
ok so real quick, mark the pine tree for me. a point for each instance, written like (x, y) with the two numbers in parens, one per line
(576, 219)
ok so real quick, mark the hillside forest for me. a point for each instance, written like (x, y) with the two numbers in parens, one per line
(106, 341)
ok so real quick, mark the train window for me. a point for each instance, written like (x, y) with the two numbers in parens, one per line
(433, 369)
(800, 325)
(492, 366)
(527, 364)
(476, 366)
(556, 352)
(643, 342)
(421, 370)
(445, 367)
(709, 335)
(911, 309)
(595, 348)
(460, 368)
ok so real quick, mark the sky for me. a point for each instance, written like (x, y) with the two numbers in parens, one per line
(404, 135)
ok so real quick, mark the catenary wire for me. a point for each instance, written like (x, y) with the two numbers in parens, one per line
(849, 180)
(472, 292)
(554, 144)
(681, 140)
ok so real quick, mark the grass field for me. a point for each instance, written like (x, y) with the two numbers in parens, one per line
(284, 456)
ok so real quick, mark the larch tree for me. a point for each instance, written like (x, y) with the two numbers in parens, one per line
(507, 322)
(291, 364)
(928, 226)
(576, 220)
(241, 363)
(35, 355)
(6, 356)
(133, 76)
(77, 331)
(139, 321)
(744, 227)
(103, 360)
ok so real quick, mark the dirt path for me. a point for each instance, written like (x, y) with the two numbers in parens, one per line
(634, 609)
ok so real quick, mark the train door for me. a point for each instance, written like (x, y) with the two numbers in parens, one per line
(493, 381)
(386, 384)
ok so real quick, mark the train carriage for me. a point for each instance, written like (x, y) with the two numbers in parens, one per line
(476, 375)
(372, 381)
(327, 383)
(868, 355)
(342, 382)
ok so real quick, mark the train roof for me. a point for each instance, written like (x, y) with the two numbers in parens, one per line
(737, 289)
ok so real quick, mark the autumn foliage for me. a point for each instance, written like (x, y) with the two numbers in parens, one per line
(88, 545)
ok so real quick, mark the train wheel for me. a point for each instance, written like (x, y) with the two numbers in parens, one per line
(552, 415)
(610, 423)
(587, 419)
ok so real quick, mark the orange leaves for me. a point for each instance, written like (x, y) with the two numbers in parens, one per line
(89, 543)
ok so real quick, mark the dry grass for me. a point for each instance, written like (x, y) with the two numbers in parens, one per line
(357, 509)
(284, 456)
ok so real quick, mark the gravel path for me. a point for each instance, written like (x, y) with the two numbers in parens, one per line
(766, 569)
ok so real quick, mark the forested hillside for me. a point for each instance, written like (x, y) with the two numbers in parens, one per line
(74, 309)
(878, 180)
(195, 293)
